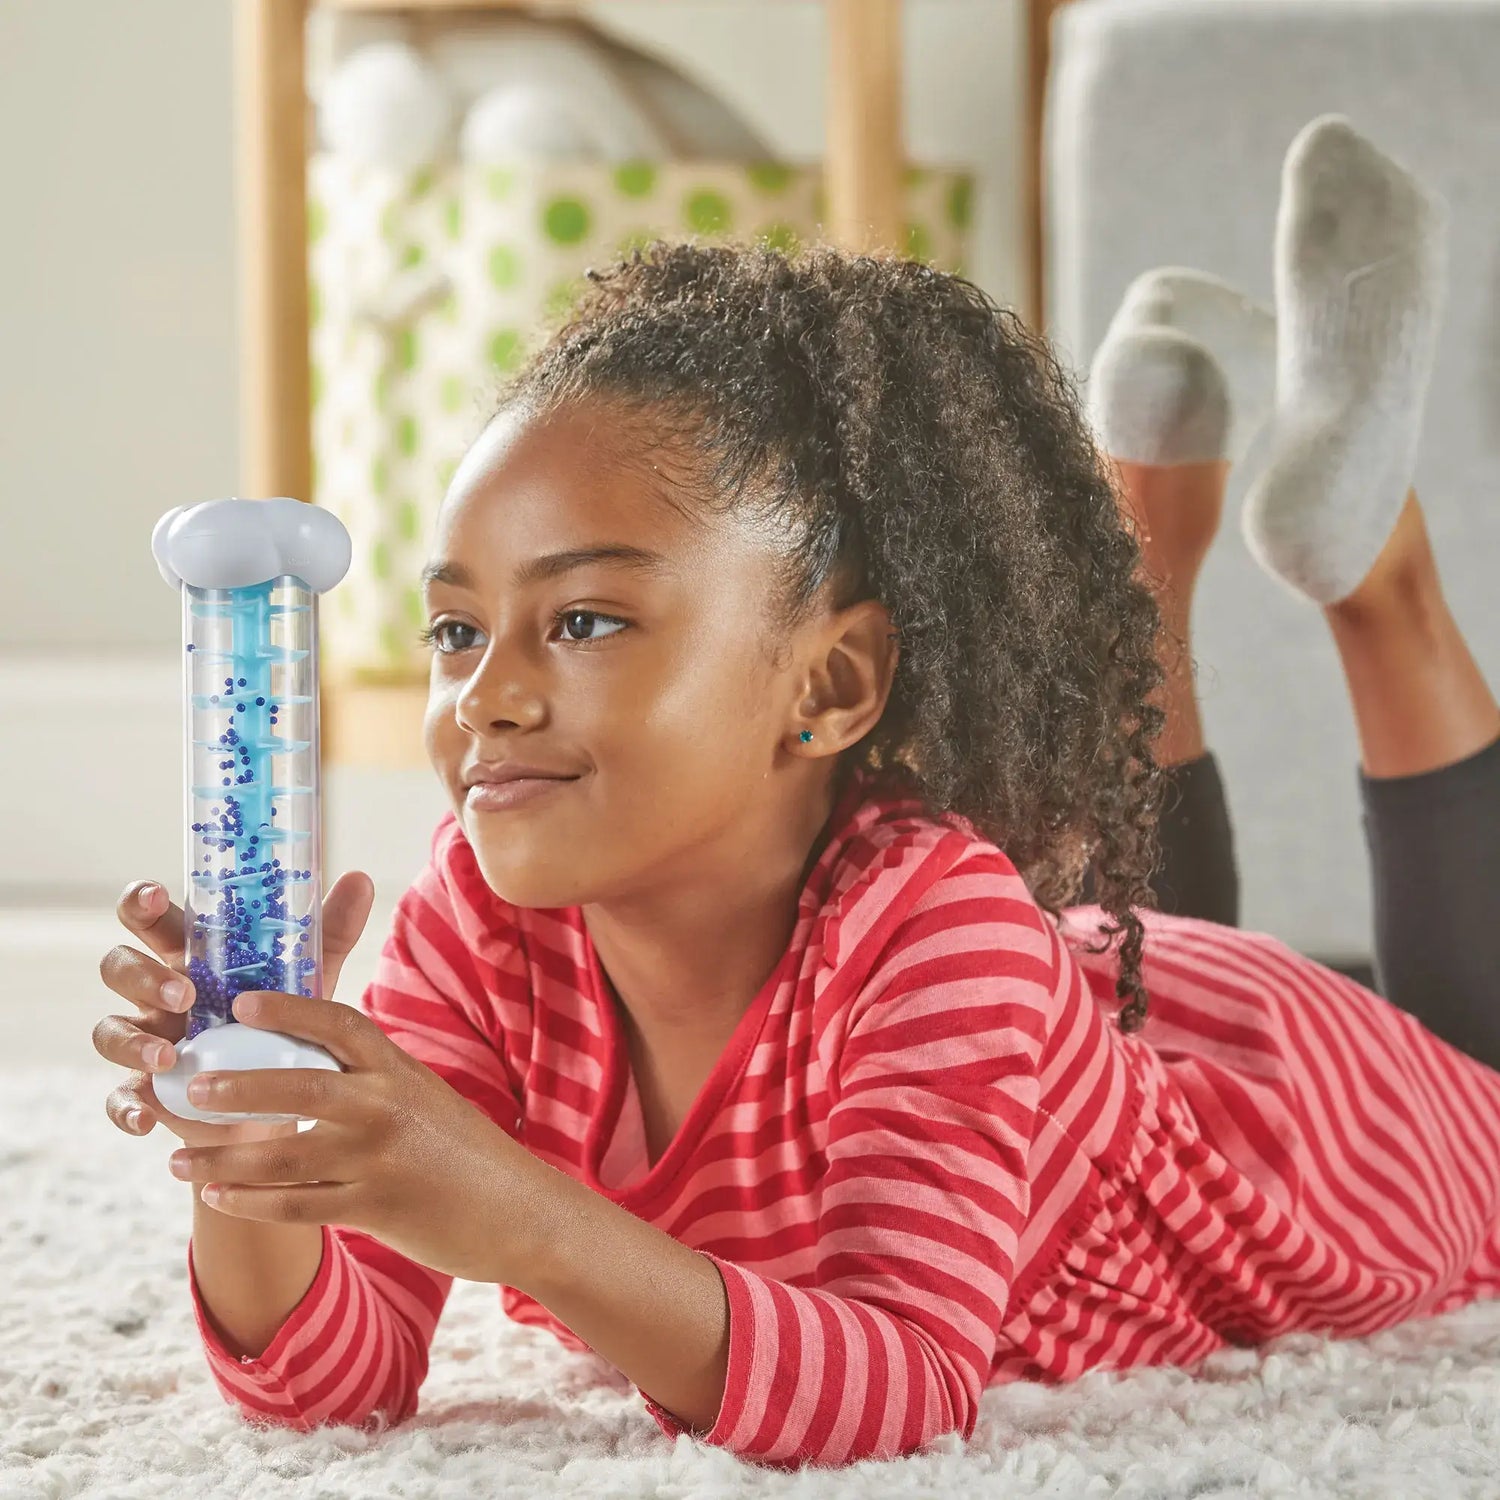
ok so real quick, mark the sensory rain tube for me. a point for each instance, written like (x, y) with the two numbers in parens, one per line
(250, 573)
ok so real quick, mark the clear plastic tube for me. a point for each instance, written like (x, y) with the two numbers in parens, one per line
(250, 573)
(254, 858)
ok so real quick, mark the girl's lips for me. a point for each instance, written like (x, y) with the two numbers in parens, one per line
(495, 796)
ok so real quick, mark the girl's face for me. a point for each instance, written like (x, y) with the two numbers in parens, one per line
(644, 676)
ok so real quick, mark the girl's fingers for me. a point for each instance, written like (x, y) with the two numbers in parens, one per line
(128, 1110)
(136, 1044)
(346, 909)
(163, 995)
(150, 986)
(147, 911)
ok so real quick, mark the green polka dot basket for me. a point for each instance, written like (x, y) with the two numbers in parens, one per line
(427, 287)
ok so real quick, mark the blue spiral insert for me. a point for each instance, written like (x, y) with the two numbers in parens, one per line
(253, 908)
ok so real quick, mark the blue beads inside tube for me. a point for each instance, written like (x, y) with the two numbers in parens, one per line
(252, 910)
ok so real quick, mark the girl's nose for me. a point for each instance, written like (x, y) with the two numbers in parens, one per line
(495, 697)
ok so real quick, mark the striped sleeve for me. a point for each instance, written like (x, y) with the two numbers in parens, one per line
(355, 1349)
(933, 1092)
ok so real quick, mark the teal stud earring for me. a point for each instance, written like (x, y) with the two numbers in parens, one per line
(805, 736)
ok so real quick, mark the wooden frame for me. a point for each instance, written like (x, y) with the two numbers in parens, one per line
(863, 165)
(1039, 15)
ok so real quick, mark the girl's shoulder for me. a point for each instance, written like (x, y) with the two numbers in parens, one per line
(931, 937)
(895, 873)
(880, 826)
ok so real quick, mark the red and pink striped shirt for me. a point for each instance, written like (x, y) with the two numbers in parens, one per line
(928, 1161)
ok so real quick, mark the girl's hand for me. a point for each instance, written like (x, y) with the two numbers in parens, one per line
(161, 1019)
(396, 1151)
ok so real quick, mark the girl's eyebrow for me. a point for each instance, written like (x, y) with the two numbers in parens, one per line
(552, 564)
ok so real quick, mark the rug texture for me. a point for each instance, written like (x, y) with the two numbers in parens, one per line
(104, 1390)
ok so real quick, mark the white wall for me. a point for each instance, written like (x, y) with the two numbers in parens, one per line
(118, 381)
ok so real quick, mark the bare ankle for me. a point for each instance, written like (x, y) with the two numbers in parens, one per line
(1403, 580)
(1175, 513)
(1420, 701)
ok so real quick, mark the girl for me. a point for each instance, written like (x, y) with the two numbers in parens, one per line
(798, 591)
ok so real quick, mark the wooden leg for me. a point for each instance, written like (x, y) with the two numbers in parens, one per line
(1039, 57)
(865, 159)
(271, 181)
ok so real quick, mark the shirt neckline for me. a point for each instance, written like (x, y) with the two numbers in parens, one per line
(731, 1061)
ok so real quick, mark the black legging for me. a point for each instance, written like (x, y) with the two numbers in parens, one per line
(1434, 842)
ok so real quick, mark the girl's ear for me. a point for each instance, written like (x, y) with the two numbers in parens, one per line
(850, 675)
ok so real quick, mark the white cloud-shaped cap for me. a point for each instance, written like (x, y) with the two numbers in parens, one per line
(231, 544)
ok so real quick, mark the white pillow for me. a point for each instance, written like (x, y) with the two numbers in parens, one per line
(564, 63)
(385, 106)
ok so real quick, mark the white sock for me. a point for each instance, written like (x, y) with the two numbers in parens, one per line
(1361, 281)
(1238, 332)
(1156, 396)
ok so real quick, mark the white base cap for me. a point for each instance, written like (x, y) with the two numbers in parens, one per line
(232, 1048)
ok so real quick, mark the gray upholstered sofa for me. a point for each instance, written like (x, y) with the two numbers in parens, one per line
(1166, 124)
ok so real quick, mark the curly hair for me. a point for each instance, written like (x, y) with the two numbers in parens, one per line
(923, 448)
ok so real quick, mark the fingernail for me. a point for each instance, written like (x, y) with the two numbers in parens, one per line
(148, 894)
(158, 1054)
(174, 992)
(133, 1118)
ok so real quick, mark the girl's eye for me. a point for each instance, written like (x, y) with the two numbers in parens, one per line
(441, 635)
(569, 615)
(437, 634)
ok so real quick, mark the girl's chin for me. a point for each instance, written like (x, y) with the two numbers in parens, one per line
(519, 882)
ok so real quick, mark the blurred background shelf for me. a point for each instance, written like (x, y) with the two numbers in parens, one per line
(864, 160)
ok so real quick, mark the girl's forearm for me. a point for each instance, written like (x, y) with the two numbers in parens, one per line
(651, 1306)
(251, 1274)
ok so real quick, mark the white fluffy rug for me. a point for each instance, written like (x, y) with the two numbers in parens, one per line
(104, 1390)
